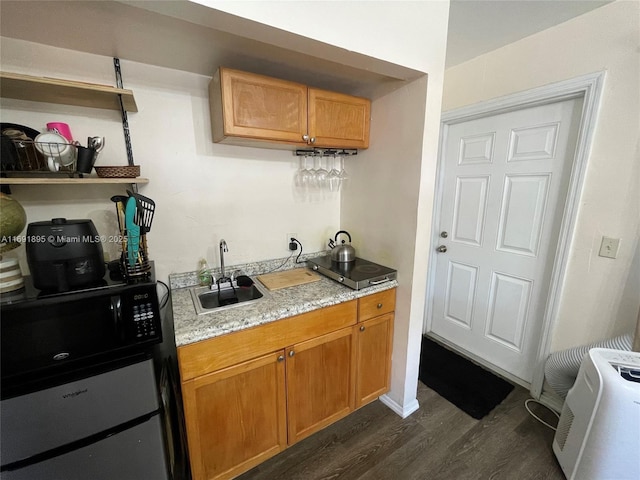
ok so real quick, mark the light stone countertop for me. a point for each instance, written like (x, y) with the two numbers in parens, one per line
(278, 304)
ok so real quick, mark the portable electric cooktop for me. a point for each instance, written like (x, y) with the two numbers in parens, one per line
(358, 274)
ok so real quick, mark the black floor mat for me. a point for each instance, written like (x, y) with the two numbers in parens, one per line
(469, 387)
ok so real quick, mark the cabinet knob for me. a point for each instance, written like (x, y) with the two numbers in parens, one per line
(291, 353)
(305, 137)
(379, 305)
(281, 358)
(312, 139)
(362, 328)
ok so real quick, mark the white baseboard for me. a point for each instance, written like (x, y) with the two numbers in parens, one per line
(403, 411)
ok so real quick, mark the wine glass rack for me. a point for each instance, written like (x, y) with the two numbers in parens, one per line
(325, 152)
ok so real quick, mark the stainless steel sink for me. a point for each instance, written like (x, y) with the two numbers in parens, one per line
(209, 299)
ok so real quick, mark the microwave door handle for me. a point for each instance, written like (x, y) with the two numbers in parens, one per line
(116, 312)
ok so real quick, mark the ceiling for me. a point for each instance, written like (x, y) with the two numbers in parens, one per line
(480, 26)
(187, 36)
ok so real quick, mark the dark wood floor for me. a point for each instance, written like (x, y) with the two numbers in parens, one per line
(439, 441)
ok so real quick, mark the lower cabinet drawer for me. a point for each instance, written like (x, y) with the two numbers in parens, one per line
(376, 304)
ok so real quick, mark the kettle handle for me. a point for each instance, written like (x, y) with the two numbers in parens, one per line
(345, 232)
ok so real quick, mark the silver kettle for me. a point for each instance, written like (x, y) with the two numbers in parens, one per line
(343, 252)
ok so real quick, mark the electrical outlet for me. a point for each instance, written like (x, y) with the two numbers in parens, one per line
(289, 236)
(609, 247)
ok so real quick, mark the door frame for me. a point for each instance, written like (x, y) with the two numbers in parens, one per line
(588, 87)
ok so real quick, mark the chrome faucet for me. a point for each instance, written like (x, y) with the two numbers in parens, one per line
(223, 248)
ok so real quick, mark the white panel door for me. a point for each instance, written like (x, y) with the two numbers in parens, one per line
(504, 188)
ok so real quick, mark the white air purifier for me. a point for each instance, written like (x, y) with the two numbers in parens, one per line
(598, 435)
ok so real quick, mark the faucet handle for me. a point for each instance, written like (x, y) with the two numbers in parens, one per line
(235, 274)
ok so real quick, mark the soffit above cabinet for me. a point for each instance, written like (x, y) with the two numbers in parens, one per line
(153, 35)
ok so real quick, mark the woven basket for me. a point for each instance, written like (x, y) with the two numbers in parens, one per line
(120, 171)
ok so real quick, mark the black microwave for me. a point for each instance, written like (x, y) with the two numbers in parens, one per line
(45, 336)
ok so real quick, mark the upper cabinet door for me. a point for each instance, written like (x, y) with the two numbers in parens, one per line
(338, 120)
(257, 107)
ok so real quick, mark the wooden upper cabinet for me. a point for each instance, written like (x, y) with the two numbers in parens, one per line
(257, 107)
(247, 109)
(338, 120)
(236, 417)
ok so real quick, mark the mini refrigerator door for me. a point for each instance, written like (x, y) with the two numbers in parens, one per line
(57, 416)
(103, 426)
(133, 454)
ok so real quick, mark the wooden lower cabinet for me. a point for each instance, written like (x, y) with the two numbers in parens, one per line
(236, 417)
(373, 339)
(320, 383)
(249, 409)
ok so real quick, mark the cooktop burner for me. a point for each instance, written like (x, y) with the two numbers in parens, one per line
(358, 274)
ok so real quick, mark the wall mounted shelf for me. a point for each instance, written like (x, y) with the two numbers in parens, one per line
(65, 92)
(72, 181)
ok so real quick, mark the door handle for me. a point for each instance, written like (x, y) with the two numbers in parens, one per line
(441, 249)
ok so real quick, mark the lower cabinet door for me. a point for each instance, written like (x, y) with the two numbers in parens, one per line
(236, 417)
(320, 382)
(374, 339)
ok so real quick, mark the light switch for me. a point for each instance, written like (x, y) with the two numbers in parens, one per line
(609, 247)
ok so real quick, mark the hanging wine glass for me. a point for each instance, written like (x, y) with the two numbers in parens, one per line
(302, 178)
(320, 174)
(334, 176)
(344, 176)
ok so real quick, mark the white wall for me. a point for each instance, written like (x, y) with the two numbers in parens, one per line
(601, 296)
(381, 206)
(203, 191)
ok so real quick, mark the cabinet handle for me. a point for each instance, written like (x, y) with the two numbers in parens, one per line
(379, 305)
(305, 137)
(291, 353)
(362, 328)
(281, 358)
(313, 140)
